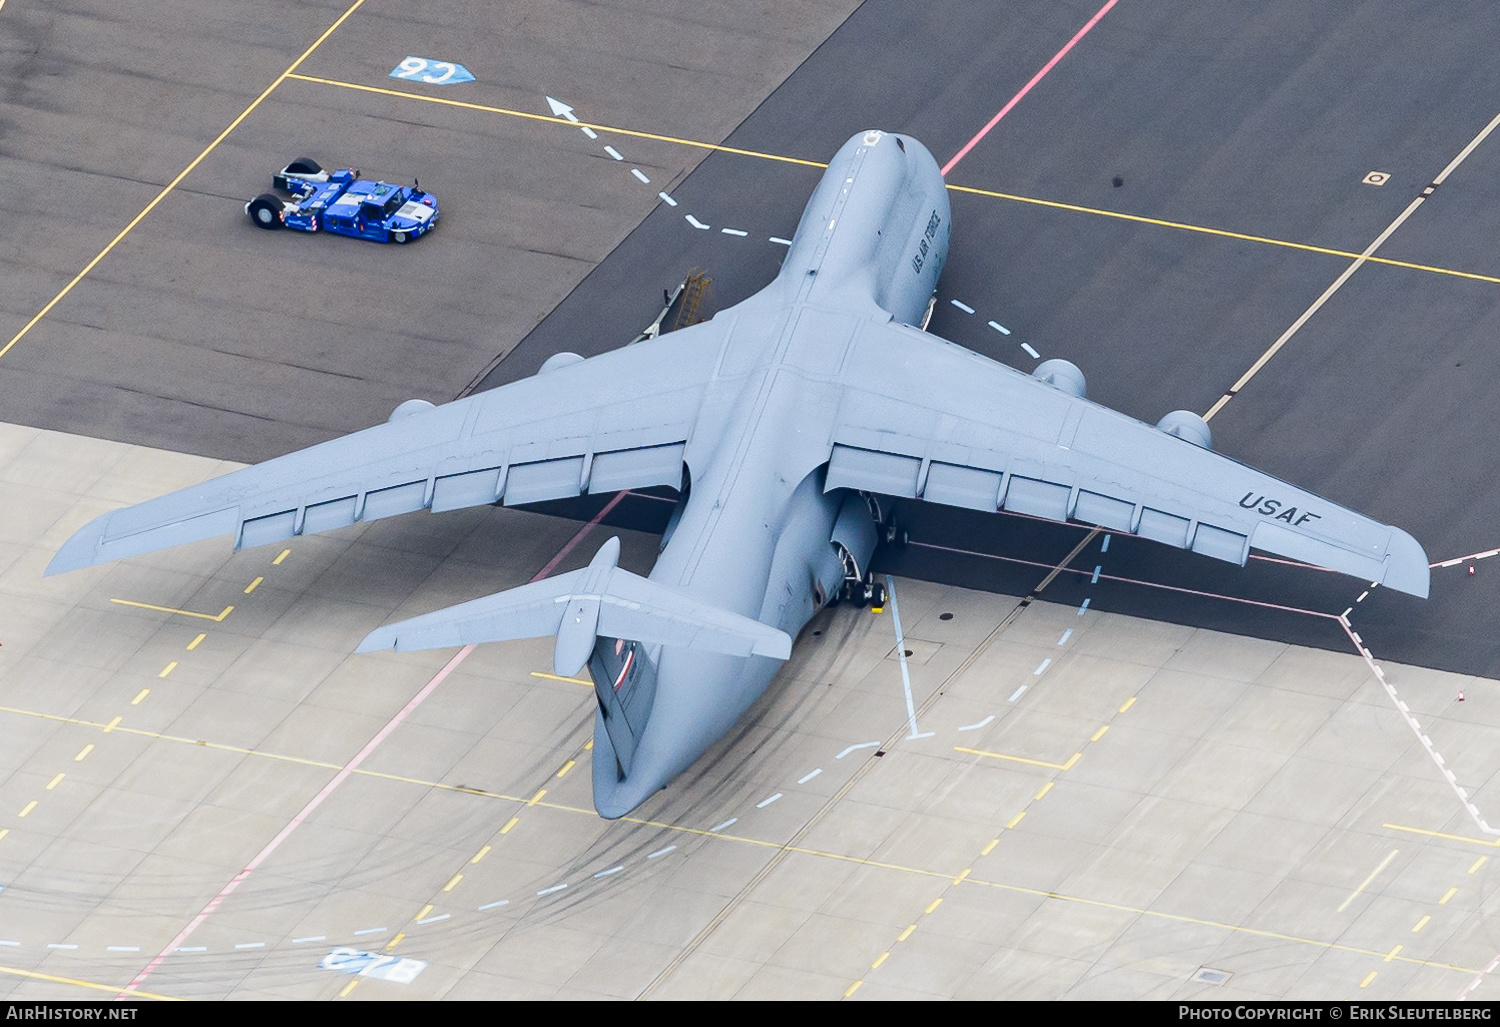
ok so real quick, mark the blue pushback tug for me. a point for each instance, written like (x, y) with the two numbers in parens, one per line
(344, 203)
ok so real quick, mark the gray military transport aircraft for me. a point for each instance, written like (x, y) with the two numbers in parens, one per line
(778, 421)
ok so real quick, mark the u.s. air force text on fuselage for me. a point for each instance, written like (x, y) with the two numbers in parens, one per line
(774, 421)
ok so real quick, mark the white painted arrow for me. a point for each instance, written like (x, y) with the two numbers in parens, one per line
(561, 110)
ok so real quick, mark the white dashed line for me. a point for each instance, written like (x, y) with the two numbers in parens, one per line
(364, 930)
(1105, 548)
(999, 328)
(1065, 636)
(1095, 579)
(1034, 354)
(661, 852)
(1017, 694)
(852, 748)
(1041, 667)
(251, 945)
(554, 888)
(60, 945)
(122, 948)
(779, 241)
(1084, 607)
(588, 132)
(762, 804)
(976, 727)
(638, 173)
(440, 916)
(734, 231)
(613, 152)
(312, 937)
(962, 306)
(494, 905)
(667, 199)
(809, 776)
(607, 873)
(728, 823)
(696, 223)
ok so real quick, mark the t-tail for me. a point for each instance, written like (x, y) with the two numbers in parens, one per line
(603, 616)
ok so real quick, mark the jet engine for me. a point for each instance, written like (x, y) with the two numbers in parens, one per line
(1189, 427)
(1062, 375)
(411, 406)
(557, 360)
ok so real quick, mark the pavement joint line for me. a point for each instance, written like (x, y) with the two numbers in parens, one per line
(989, 193)
(170, 186)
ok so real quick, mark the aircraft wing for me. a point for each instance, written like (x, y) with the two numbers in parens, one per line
(925, 419)
(620, 420)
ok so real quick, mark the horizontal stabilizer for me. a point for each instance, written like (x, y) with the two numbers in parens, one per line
(577, 607)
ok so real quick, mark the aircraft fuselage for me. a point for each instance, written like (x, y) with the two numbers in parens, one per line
(754, 534)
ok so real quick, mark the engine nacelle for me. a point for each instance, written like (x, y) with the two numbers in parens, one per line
(1189, 427)
(411, 406)
(1062, 375)
(557, 360)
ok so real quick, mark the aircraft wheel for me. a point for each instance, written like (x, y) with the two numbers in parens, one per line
(878, 596)
(265, 211)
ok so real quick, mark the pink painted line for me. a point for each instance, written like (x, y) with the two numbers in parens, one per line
(348, 768)
(1129, 581)
(961, 154)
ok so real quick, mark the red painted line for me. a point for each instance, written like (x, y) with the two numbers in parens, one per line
(1131, 581)
(961, 154)
(349, 768)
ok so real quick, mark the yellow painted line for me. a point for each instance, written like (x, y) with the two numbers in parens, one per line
(882, 958)
(1366, 883)
(1128, 703)
(1099, 734)
(1040, 792)
(397, 939)
(107, 727)
(1493, 843)
(425, 910)
(1370, 977)
(253, 585)
(1020, 759)
(537, 797)
(567, 767)
(990, 847)
(1478, 863)
(195, 642)
(55, 781)
(933, 905)
(957, 880)
(1016, 820)
(29, 807)
(853, 988)
(115, 989)
(1222, 233)
(906, 933)
(991, 193)
(281, 556)
(1447, 895)
(480, 854)
(1421, 923)
(550, 119)
(1393, 953)
(452, 883)
(559, 677)
(176, 181)
(588, 745)
(168, 669)
(84, 752)
(139, 696)
(170, 609)
(510, 824)
(344, 992)
(4, 831)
